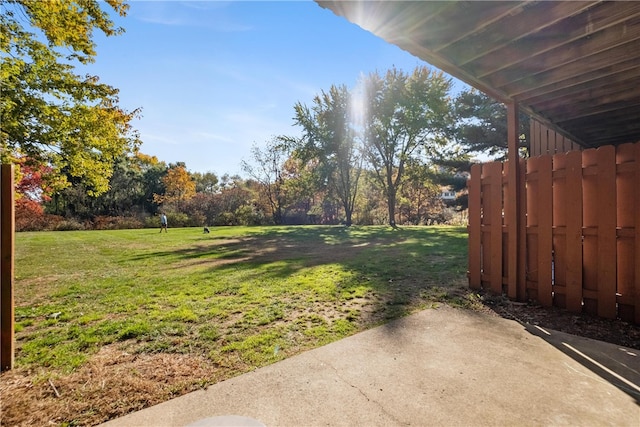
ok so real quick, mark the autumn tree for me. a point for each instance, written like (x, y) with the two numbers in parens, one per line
(33, 186)
(179, 186)
(48, 112)
(408, 115)
(329, 138)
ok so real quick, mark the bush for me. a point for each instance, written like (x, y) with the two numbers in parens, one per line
(116, 223)
(30, 216)
(69, 225)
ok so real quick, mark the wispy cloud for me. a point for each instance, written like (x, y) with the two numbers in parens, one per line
(149, 137)
(210, 15)
(207, 136)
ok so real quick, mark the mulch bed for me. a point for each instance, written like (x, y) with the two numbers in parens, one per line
(614, 331)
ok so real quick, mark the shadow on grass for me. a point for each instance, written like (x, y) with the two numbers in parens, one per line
(400, 267)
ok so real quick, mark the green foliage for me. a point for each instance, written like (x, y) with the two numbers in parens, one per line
(205, 182)
(330, 142)
(407, 116)
(482, 124)
(48, 113)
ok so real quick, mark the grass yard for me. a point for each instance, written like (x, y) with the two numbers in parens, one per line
(108, 322)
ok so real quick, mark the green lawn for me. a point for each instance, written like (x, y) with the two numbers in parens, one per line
(260, 293)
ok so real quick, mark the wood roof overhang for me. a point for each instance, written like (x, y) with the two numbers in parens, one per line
(573, 65)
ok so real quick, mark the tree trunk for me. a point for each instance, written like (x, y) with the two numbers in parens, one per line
(392, 206)
(348, 213)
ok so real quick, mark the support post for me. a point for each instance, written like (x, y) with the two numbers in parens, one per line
(513, 204)
(7, 245)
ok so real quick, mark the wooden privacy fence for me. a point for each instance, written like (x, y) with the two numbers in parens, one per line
(580, 233)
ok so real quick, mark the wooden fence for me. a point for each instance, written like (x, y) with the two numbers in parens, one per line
(580, 233)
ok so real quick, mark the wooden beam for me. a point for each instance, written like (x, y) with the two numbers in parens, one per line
(537, 54)
(606, 93)
(619, 72)
(513, 26)
(513, 205)
(7, 239)
(472, 32)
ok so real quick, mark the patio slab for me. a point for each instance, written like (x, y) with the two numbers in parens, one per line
(439, 367)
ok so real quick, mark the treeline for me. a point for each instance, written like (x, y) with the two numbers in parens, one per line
(141, 187)
(384, 152)
(381, 152)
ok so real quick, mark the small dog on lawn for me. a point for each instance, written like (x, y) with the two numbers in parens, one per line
(206, 230)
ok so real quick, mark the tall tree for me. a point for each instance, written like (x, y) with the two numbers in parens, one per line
(179, 186)
(206, 182)
(407, 115)
(267, 169)
(48, 112)
(482, 124)
(329, 138)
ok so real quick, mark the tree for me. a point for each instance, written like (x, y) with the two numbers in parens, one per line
(329, 137)
(179, 186)
(153, 171)
(267, 170)
(482, 124)
(206, 182)
(48, 112)
(419, 197)
(235, 197)
(406, 115)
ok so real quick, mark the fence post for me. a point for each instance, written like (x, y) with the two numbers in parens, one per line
(7, 238)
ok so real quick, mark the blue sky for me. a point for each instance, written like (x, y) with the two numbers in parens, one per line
(213, 78)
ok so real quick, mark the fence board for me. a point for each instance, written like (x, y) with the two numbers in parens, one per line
(522, 231)
(510, 224)
(560, 230)
(475, 235)
(636, 282)
(496, 214)
(627, 184)
(574, 209)
(590, 234)
(545, 243)
(580, 232)
(606, 231)
(532, 190)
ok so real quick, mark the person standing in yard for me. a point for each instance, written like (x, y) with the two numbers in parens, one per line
(163, 222)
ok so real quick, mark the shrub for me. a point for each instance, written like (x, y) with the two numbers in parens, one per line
(116, 223)
(69, 225)
(30, 216)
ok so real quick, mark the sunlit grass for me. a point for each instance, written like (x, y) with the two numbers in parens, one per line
(242, 297)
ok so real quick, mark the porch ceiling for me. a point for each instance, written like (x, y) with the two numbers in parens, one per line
(573, 65)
